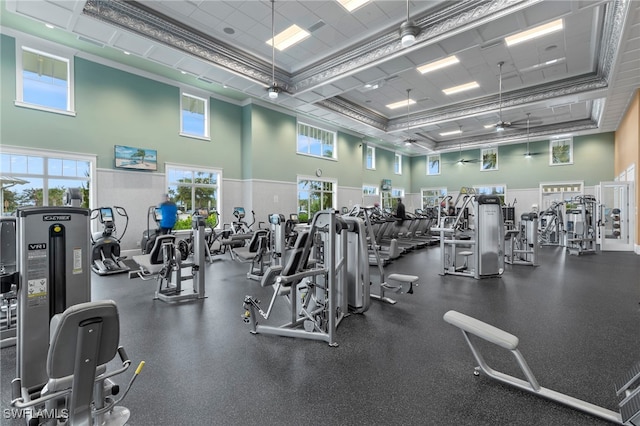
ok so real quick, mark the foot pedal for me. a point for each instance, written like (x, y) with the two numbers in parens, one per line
(628, 380)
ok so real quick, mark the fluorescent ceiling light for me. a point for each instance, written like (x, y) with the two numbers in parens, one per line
(404, 103)
(489, 126)
(289, 37)
(535, 32)
(543, 64)
(352, 5)
(461, 88)
(453, 132)
(438, 64)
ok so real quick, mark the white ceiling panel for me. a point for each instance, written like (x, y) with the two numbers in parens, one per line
(132, 43)
(94, 30)
(46, 12)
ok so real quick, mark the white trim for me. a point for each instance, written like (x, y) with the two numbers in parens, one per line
(397, 155)
(206, 114)
(53, 51)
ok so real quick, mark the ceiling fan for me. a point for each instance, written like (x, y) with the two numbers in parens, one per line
(462, 160)
(410, 140)
(528, 153)
(501, 124)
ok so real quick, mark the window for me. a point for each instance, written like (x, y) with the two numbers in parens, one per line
(194, 114)
(369, 190)
(397, 192)
(34, 178)
(433, 164)
(560, 152)
(316, 142)
(313, 196)
(44, 81)
(397, 164)
(499, 190)
(193, 189)
(370, 161)
(432, 197)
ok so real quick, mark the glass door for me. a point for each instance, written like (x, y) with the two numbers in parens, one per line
(615, 206)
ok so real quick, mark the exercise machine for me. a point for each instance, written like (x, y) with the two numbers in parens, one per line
(105, 253)
(628, 387)
(480, 247)
(522, 242)
(53, 264)
(8, 282)
(581, 230)
(552, 229)
(315, 282)
(149, 235)
(164, 264)
(392, 282)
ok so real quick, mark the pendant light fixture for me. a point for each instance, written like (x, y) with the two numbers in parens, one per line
(409, 140)
(408, 31)
(273, 89)
(528, 153)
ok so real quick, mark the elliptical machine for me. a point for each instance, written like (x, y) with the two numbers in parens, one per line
(149, 235)
(105, 253)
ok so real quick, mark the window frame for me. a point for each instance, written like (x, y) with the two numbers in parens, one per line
(376, 190)
(196, 169)
(334, 191)
(51, 51)
(333, 133)
(45, 176)
(428, 171)
(203, 98)
(502, 196)
(397, 163)
(442, 193)
(373, 157)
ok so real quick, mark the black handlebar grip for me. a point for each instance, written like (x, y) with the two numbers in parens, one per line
(16, 390)
(123, 354)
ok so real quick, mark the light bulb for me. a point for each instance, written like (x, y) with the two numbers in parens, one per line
(408, 40)
(273, 92)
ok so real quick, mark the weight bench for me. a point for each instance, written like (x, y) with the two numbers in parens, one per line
(629, 385)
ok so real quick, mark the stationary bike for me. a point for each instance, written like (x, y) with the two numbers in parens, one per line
(105, 252)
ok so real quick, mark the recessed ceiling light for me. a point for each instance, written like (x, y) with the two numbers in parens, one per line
(49, 26)
(544, 64)
(352, 5)
(535, 32)
(289, 37)
(400, 104)
(461, 88)
(126, 53)
(432, 66)
(489, 126)
(229, 30)
(453, 132)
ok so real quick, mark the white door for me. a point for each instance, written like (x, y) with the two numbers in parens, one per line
(615, 225)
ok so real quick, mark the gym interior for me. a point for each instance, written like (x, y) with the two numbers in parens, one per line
(289, 291)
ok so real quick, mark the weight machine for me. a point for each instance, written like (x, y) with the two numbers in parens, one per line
(64, 341)
(552, 227)
(8, 282)
(481, 247)
(316, 281)
(164, 263)
(581, 230)
(522, 242)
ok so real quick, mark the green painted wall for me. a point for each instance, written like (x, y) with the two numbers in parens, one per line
(274, 157)
(118, 108)
(253, 142)
(385, 170)
(592, 163)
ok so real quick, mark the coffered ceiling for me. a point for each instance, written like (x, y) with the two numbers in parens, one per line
(577, 80)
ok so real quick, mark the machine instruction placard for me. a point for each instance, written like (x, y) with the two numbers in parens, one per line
(37, 273)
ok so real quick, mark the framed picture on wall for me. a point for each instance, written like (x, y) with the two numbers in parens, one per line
(489, 159)
(127, 157)
(560, 152)
(433, 164)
